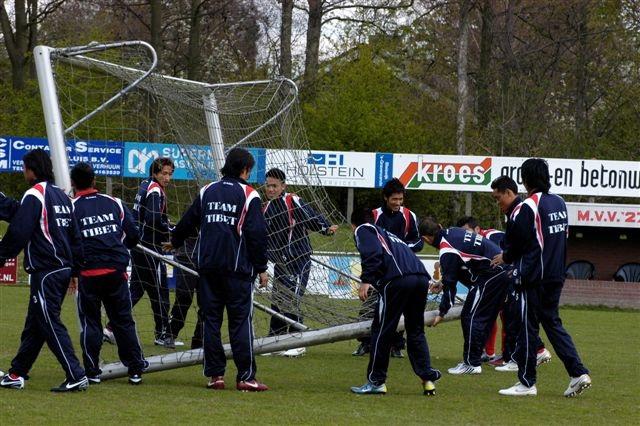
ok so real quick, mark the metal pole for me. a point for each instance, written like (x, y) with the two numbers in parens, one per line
(257, 305)
(215, 130)
(339, 271)
(269, 344)
(52, 117)
(349, 203)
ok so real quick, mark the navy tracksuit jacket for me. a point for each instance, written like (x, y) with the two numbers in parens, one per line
(465, 257)
(231, 250)
(537, 245)
(402, 282)
(288, 221)
(148, 274)
(108, 229)
(8, 207)
(44, 226)
(493, 235)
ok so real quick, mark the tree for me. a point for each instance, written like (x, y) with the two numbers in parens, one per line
(21, 37)
(286, 23)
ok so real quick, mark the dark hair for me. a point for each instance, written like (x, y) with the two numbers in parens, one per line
(159, 163)
(502, 183)
(82, 176)
(39, 163)
(467, 220)
(276, 174)
(535, 174)
(238, 159)
(393, 186)
(361, 215)
(429, 227)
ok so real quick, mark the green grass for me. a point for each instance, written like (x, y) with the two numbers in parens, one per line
(315, 388)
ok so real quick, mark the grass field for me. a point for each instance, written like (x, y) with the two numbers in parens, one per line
(315, 388)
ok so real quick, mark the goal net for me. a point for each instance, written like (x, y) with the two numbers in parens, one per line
(111, 99)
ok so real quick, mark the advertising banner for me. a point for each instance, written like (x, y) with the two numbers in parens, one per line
(475, 174)
(104, 156)
(607, 215)
(188, 160)
(328, 168)
(9, 272)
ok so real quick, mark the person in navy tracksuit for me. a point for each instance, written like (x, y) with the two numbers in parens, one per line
(44, 226)
(108, 230)
(465, 257)
(289, 219)
(537, 245)
(470, 223)
(402, 281)
(149, 273)
(232, 250)
(8, 207)
(401, 222)
(186, 286)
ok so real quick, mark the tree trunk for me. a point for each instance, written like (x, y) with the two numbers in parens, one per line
(486, 45)
(507, 69)
(193, 54)
(156, 27)
(312, 51)
(17, 43)
(463, 90)
(580, 113)
(285, 38)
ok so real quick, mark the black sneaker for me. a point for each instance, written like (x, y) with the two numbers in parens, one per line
(135, 379)
(396, 353)
(72, 386)
(361, 350)
(94, 380)
(12, 381)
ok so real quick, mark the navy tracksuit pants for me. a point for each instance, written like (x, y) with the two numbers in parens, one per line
(405, 295)
(539, 305)
(43, 324)
(150, 274)
(186, 286)
(112, 291)
(512, 322)
(367, 311)
(218, 291)
(289, 285)
(479, 312)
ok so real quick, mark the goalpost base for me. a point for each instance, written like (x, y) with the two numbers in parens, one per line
(268, 344)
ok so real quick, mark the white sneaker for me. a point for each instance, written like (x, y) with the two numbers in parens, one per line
(107, 336)
(178, 343)
(463, 368)
(577, 385)
(294, 353)
(543, 356)
(510, 366)
(519, 390)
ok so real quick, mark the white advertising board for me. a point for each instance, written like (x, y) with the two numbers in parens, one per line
(607, 215)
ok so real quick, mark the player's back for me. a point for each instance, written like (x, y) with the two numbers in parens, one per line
(50, 246)
(102, 220)
(472, 249)
(224, 208)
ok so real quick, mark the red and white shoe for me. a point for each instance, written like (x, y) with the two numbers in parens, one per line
(543, 356)
(216, 382)
(251, 386)
(497, 361)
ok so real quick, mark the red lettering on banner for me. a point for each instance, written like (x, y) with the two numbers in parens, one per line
(583, 215)
(612, 216)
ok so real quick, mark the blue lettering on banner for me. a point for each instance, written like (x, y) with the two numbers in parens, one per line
(384, 169)
(104, 156)
(316, 158)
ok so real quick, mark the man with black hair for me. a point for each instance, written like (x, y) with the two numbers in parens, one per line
(232, 250)
(505, 193)
(389, 265)
(147, 272)
(108, 230)
(465, 257)
(537, 249)
(471, 224)
(44, 225)
(8, 207)
(289, 219)
(401, 222)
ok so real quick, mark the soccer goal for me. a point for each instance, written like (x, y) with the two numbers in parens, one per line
(103, 99)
